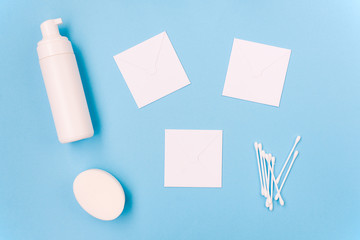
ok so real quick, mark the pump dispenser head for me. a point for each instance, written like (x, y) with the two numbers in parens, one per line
(52, 43)
(49, 28)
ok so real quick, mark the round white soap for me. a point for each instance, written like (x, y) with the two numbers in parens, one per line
(99, 193)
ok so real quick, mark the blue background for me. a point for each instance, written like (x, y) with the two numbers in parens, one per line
(320, 102)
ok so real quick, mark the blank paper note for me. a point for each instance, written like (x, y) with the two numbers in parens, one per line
(152, 69)
(256, 72)
(193, 158)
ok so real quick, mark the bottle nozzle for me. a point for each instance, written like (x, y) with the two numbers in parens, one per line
(50, 28)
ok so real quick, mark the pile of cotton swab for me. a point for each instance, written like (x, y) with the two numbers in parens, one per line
(266, 165)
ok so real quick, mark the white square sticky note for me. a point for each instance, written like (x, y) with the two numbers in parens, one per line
(193, 158)
(256, 72)
(152, 69)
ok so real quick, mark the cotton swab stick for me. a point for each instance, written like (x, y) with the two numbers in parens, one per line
(263, 157)
(268, 157)
(287, 173)
(277, 188)
(269, 198)
(262, 169)
(272, 183)
(258, 162)
(296, 142)
(268, 160)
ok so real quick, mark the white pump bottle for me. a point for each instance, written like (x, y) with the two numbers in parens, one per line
(63, 84)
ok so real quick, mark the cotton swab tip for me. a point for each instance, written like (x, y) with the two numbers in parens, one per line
(256, 145)
(295, 154)
(276, 197)
(282, 202)
(267, 203)
(297, 139)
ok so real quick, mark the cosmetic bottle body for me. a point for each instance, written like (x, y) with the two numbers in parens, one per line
(63, 85)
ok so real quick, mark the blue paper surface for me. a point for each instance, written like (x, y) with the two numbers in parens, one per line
(320, 102)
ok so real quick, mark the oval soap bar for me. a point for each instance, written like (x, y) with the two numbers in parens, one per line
(99, 193)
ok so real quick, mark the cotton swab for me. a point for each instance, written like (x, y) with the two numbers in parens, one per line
(263, 156)
(272, 182)
(287, 173)
(277, 188)
(258, 162)
(267, 157)
(269, 199)
(262, 168)
(296, 142)
(268, 160)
